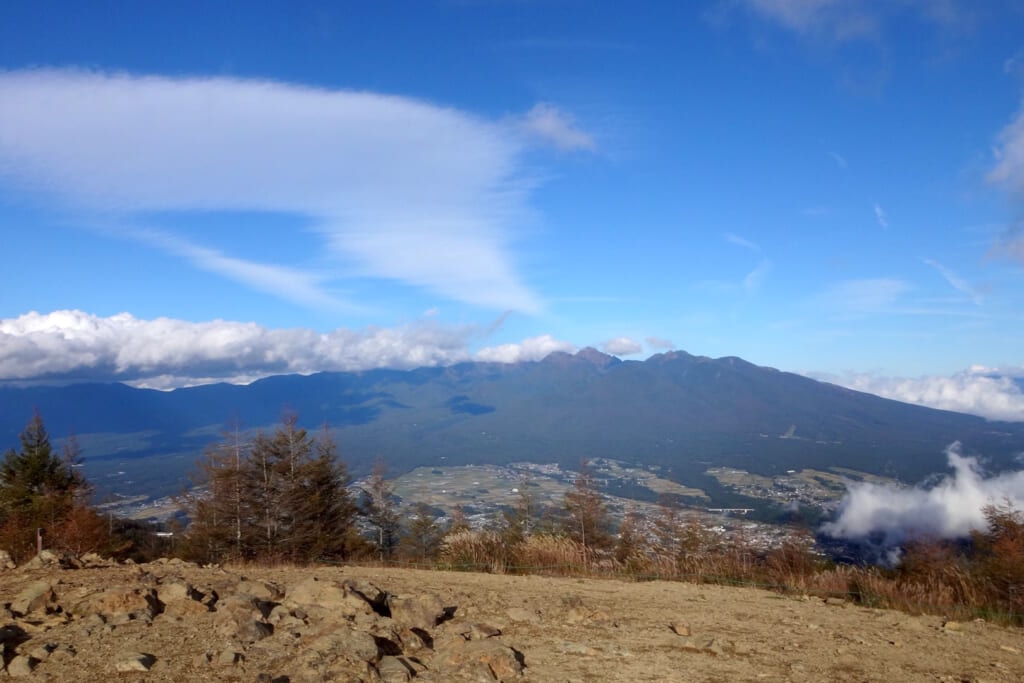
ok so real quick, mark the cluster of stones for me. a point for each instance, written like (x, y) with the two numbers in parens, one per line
(319, 629)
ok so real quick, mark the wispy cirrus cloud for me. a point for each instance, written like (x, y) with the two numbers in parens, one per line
(733, 238)
(165, 353)
(398, 189)
(1008, 174)
(291, 284)
(755, 278)
(550, 124)
(851, 20)
(957, 282)
(880, 215)
(839, 159)
(869, 295)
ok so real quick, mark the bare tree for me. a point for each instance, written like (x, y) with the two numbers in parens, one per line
(587, 521)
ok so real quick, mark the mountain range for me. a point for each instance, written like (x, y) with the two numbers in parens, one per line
(682, 413)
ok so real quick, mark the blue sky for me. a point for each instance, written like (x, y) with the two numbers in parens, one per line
(193, 193)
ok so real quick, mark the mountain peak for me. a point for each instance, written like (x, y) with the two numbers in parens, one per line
(595, 357)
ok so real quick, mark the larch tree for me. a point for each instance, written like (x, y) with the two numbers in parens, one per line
(380, 510)
(587, 520)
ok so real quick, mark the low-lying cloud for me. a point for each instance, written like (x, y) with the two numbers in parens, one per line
(977, 391)
(165, 353)
(949, 510)
(622, 346)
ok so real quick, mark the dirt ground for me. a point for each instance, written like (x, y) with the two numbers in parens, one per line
(566, 629)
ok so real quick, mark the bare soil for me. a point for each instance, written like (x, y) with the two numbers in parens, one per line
(567, 629)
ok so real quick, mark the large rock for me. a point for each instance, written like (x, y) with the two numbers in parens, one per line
(346, 643)
(262, 590)
(480, 659)
(242, 617)
(122, 604)
(423, 611)
(21, 666)
(36, 598)
(333, 596)
(6, 561)
(134, 661)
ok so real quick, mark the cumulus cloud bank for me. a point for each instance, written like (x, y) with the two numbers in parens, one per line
(166, 353)
(397, 188)
(977, 391)
(951, 509)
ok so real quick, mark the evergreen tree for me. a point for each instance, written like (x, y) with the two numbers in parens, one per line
(41, 490)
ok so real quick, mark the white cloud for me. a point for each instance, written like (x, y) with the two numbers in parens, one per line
(951, 509)
(835, 19)
(956, 281)
(534, 348)
(977, 391)
(399, 189)
(872, 295)
(621, 346)
(839, 159)
(741, 242)
(659, 343)
(552, 125)
(755, 278)
(846, 20)
(1009, 155)
(880, 216)
(283, 282)
(165, 353)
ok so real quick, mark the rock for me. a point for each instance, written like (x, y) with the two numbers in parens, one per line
(835, 602)
(394, 670)
(523, 615)
(1010, 649)
(481, 631)
(6, 561)
(181, 599)
(489, 656)
(38, 597)
(680, 628)
(578, 649)
(174, 591)
(42, 652)
(134, 661)
(229, 657)
(333, 596)
(21, 666)
(709, 646)
(424, 611)
(96, 560)
(121, 605)
(952, 626)
(414, 640)
(353, 645)
(48, 559)
(262, 590)
(247, 605)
